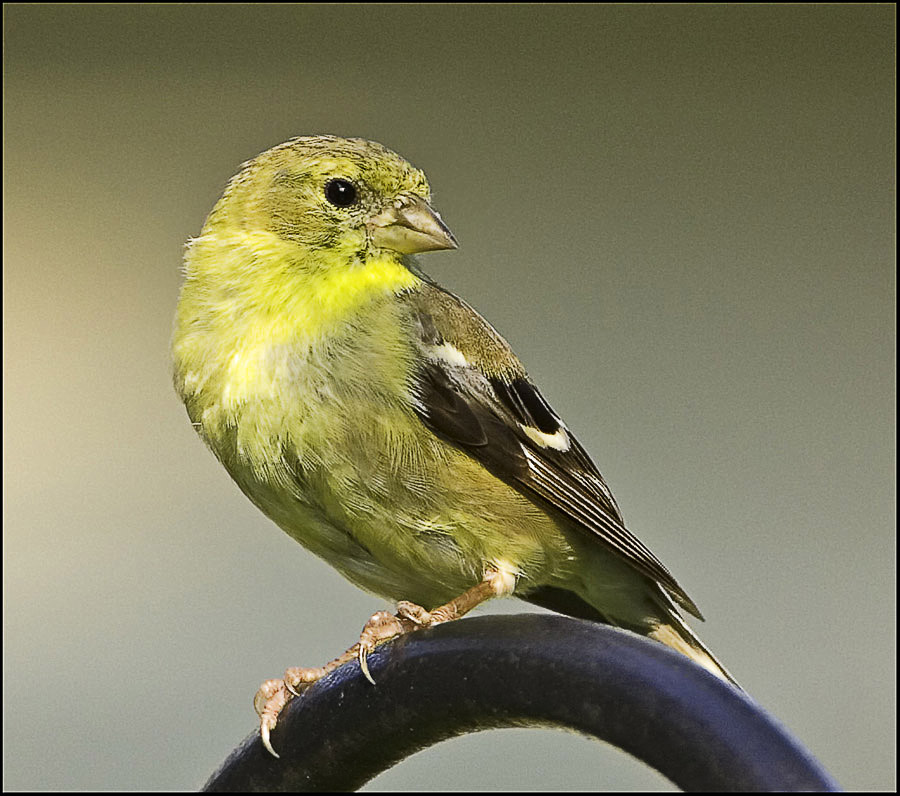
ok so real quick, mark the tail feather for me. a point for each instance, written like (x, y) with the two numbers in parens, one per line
(678, 635)
(670, 630)
(681, 638)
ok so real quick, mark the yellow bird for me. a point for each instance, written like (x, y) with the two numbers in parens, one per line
(383, 423)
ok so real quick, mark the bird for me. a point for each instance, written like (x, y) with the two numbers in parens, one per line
(381, 422)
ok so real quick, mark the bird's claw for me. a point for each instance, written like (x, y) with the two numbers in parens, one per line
(382, 626)
(268, 703)
(363, 664)
(290, 688)
(415, 613)
(274, 695)
(265, 727)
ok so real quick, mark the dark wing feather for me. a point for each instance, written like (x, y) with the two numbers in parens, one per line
(486, 416)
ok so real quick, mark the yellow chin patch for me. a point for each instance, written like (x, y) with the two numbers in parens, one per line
(341, 291)
(274, 283)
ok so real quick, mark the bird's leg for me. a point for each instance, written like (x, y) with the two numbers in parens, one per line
(273, 695)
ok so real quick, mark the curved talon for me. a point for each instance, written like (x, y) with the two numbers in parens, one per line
(290, 688)
(363, 664)
(264, 730)
(270, 700)
(414, 613)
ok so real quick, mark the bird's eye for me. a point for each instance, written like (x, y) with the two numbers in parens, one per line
(340, 192)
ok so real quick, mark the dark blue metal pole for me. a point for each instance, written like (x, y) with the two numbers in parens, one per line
(529, 670)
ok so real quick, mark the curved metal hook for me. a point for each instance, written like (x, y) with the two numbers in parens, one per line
(527, 670)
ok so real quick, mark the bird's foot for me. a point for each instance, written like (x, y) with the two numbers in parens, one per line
(383, 627)
(274, 695)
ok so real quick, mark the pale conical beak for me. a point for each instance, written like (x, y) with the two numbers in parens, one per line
(409, 226)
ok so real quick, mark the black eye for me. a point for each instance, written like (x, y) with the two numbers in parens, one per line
(340, 192)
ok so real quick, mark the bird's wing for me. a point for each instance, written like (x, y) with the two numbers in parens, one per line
(473, 392)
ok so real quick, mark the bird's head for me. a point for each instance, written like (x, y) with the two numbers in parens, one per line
(345, 196)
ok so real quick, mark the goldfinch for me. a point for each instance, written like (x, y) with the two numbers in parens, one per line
(381, 422)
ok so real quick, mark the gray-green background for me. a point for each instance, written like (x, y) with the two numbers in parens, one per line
(680, 216)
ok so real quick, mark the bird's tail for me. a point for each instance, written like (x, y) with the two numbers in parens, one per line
(677, 635)
(660, 620)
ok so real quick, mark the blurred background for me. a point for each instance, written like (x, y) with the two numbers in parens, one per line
(682, 218)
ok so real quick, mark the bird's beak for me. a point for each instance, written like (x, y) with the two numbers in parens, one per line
(409, 226)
